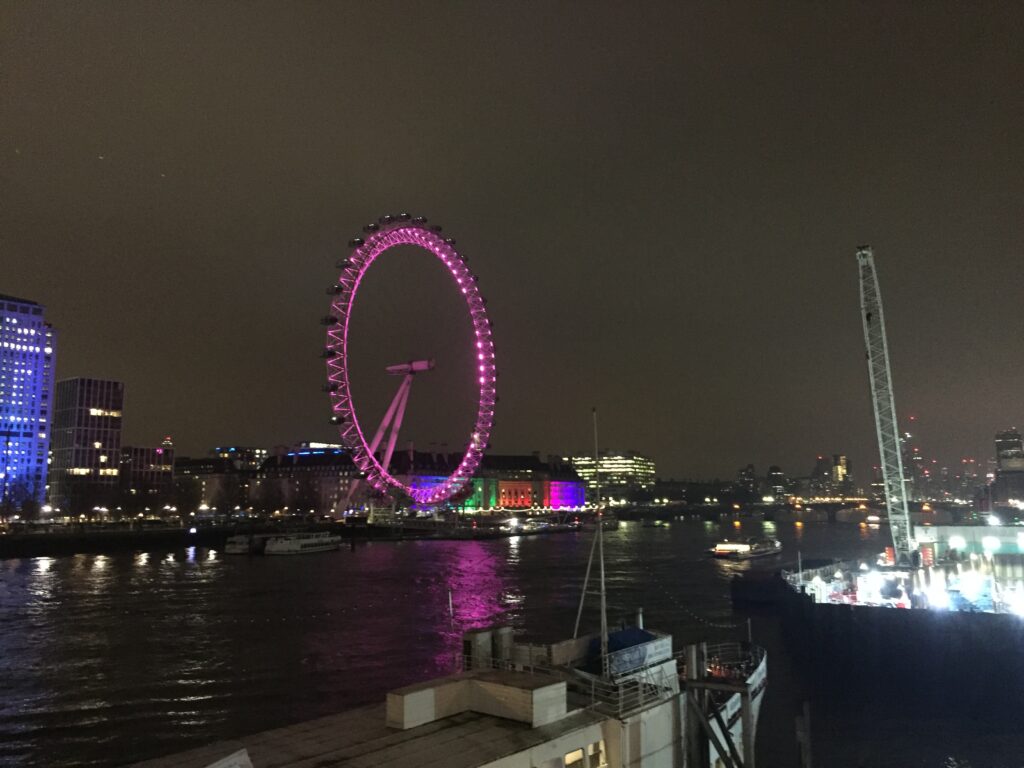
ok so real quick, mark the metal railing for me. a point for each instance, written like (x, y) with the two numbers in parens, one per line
(797, 578)
(733, 661)
(613, 697)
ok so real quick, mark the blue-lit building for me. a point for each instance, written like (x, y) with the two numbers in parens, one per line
(27, 356)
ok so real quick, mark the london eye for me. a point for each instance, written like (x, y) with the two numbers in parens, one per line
(390, 232)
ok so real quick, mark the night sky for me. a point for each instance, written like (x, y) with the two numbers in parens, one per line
(662, 204)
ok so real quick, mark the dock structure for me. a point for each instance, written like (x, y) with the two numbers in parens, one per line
(517, 705)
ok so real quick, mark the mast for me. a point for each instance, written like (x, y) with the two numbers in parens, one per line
(880, 373)
(600, 552)
(599, 546)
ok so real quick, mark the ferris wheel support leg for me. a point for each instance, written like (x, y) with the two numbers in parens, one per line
(397, 423)
(390, 415)
(401, 396)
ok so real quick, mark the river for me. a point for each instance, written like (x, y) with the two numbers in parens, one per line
(107, 659)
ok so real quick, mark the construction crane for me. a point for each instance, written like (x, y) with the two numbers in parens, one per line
(880, 374)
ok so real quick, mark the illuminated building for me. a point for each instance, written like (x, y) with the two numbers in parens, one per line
(1008, 486)
(746, 480)
(307, 480)
(831, 477)
(210, 482)
(87, 416)
(148, 473)
(243, 457)
(821, 477)
(621, 472)
(842, 480)
(776, 482)
(27, 357)
(523, 482)
(1009, 451)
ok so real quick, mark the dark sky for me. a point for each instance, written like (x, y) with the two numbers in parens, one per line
(662, 202)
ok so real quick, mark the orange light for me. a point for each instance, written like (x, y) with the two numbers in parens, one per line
(799, 523)
(736, 523)
(863, 525)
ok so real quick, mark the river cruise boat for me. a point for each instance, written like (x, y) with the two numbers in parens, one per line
(747, 549)
(301, 543)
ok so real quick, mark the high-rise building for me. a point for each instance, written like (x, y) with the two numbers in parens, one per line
(1009, 480)
(1009, 451)
(86, 444)
(621, 472)
(746, 479)
(777, 482)
(842, 482)
(27, 357)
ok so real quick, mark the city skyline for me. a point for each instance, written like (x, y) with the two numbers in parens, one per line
(698, 287)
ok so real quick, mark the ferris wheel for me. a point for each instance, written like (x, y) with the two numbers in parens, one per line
(387, 233)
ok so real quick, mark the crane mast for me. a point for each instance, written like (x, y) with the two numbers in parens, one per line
(880, 374)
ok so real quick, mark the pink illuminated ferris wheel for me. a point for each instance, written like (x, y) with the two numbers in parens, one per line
(389, 232)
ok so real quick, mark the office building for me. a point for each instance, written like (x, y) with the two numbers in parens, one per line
(1009, 451)
(776, 482)
(303, 481)
(86, 442)
(620, 472)
(243, 457)
(147, 474)
(27, 358)
(1008, 486)
(746, 480)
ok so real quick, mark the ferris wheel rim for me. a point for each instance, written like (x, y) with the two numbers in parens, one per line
(390, 232)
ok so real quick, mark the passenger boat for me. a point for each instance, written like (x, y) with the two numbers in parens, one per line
(238, 545)
(301, 543)
(746, 550)
(246, 544)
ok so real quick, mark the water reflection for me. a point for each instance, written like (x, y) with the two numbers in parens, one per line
(150, 653)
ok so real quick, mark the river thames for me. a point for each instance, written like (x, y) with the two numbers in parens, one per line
(110, 659)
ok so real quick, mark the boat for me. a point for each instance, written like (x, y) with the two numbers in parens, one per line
(301, 543)
(746, 550)
(246, 544)
(238, 545)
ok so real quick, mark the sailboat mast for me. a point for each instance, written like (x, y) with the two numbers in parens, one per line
(600, 552)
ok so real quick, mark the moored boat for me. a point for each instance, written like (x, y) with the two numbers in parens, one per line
(238, 545)
(301, 543)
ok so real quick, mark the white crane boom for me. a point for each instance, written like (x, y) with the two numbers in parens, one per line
(880, 374)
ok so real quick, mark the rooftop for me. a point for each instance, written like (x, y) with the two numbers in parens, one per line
(5, 297)
(361, 737)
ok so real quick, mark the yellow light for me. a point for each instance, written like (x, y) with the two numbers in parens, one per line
(799, 523)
